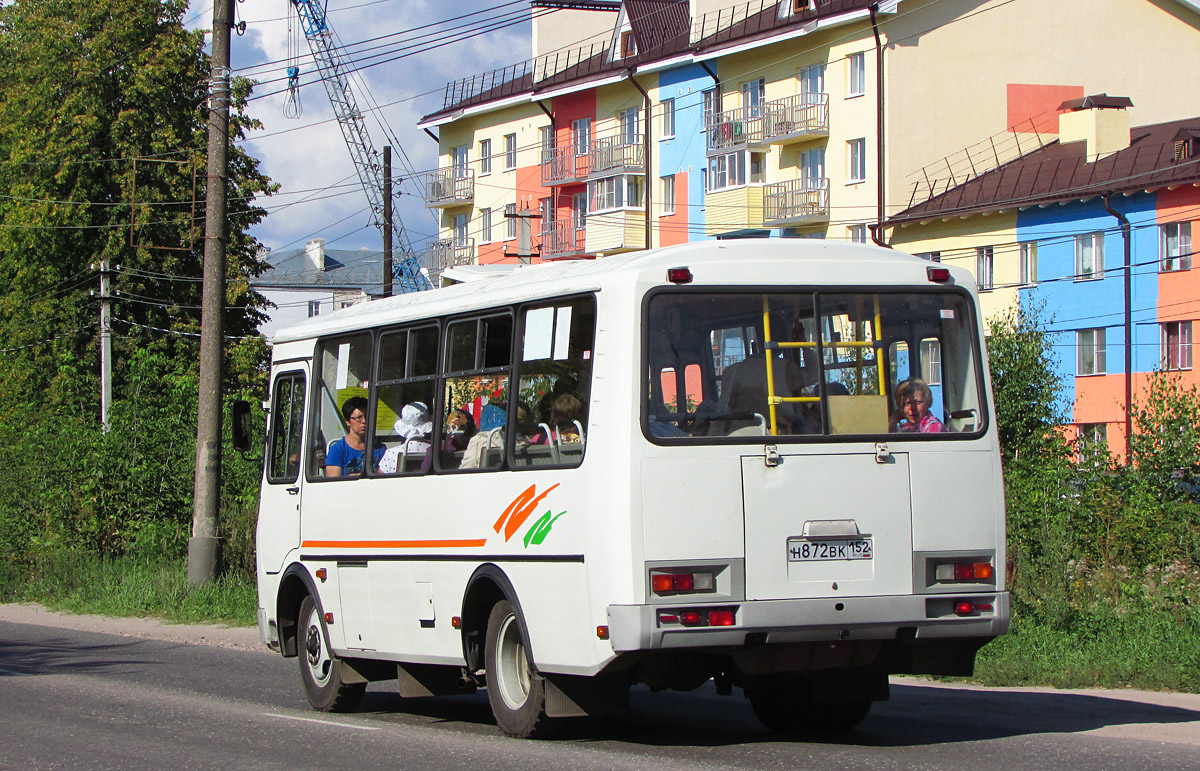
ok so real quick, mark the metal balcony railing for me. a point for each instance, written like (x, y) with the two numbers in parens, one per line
(563, 241)
(449, 187)
(446, 252)
(797, 200)
(563, 166)
(620, 153)
(730, 129)
(793, 116)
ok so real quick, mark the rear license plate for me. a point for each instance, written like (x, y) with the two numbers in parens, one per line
(801, 550)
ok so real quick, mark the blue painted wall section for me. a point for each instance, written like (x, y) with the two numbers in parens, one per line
(686, 151)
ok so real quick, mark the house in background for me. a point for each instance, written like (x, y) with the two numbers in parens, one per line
(644, 123)
(307, 282)
(1056, 229)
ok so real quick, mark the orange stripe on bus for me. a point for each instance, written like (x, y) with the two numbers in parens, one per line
(431, 544)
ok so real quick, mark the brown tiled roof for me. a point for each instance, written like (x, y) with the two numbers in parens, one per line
(1060, 172)
(662, 29)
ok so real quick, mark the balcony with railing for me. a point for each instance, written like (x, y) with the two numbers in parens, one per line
(616, 155)
(447, 252)
(563, 241)
(796, 202)
(779, 121)
(564, 166)
(447, 188)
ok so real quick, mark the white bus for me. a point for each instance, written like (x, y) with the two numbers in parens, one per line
(665, 467)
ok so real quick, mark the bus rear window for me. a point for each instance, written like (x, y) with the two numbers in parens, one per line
(812, 364)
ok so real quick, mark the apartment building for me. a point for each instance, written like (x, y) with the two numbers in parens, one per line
(1063, 228)
(641, 123)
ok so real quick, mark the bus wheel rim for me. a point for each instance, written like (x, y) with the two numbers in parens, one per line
(514, 676)
(316, 653)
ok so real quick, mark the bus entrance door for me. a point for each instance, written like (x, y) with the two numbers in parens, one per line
(279, 502)
(830, 525)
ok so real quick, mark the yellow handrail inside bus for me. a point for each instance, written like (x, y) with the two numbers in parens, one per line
(771, 397)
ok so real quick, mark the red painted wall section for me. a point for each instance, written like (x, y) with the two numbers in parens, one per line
(1038, 104)
(673, 228)
(572, 107)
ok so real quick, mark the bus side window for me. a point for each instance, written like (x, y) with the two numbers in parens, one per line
(478, 371)
(343, 374)
(403, 398)
(554, 372)
(287, 421)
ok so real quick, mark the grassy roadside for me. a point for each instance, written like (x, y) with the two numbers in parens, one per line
(1145, 649)
(82, 583)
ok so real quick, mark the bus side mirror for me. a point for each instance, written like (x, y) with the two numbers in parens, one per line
(241, 425)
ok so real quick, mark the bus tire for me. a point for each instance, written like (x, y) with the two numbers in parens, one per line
(321, 671)
(784, 708)
(516, 692)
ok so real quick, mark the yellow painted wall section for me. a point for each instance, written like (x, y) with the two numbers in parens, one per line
(949, 63)
(610, 100)
(957, 241)
(616, 231)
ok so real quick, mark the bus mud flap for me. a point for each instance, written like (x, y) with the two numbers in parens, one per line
(579, 696)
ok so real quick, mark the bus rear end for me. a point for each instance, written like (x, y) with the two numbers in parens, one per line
(822, 500)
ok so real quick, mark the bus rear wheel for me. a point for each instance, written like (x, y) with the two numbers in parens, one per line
(320, 671)
(786, 707)
(516, 692)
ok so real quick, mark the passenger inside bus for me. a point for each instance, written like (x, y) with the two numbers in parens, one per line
(912, 415)
(484, 449)
(345, 456)
(413, 430)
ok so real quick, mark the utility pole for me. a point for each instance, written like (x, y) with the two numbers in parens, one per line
(204, 546)
(105, 346)
(387, 220)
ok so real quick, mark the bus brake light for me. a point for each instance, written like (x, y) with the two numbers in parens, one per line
(723, 617)
(938, 275)
(679, 275)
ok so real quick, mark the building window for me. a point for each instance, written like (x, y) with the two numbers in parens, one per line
(485, 224)
(1090, 343)
(812, 167)
(858, 234)
(458, 228)
(712, 106)
(753, 94)
(485, 156)
(314, 308)
(812, 84)
(668, 118)
(984, 267)
(615, 193)
(628, 48)
(1089, 256)
(668, 194)
(1093, 434)
(510, 151)
(726, 171)
(1176, 345)
(546, 139)
(510, 221)
(546, 210)
(459, 161)
(1176, 248)
(579, 210)
(856, 153)
(581, 135)
(1028, 272)
(931, 361)
(857, 66)
(628, 120)
(931, 256)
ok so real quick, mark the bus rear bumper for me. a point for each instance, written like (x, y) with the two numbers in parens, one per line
(657, 627)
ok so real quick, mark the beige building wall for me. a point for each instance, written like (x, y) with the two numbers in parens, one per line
(949, 63)
(561, 30)
(957, 241)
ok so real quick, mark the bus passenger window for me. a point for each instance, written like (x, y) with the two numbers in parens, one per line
(475, 393)
(341, 413)
(403, 394)
(555, 373)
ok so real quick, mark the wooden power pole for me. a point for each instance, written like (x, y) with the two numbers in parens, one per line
(204, 546)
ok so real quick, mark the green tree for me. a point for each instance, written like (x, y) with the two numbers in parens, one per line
(1165, 446)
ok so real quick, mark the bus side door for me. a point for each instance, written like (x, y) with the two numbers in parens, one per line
(283, 482)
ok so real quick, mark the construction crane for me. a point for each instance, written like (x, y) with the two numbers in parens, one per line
(406, 268)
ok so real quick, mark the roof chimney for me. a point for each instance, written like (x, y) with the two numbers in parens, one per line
(1100, 120)
(316, 253)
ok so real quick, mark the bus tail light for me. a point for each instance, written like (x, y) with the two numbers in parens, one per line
(722, 617)
(974, 572)
(677, 583)
(970, 608)
(698, 617)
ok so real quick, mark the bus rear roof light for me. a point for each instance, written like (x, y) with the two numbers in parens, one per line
(938, 275)
(679, 275)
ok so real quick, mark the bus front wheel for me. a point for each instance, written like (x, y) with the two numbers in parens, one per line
(515, 690)
(321, 671)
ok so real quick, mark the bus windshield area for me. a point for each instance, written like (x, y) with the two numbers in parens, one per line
(743, 364)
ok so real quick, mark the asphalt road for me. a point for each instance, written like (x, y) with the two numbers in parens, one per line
(82, 700)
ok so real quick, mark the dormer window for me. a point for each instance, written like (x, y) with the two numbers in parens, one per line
(1187, 145)
(628, 48)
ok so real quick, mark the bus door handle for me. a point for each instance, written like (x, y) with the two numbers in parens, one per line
(293, 490)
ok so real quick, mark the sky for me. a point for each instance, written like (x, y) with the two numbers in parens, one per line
(320, 195)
